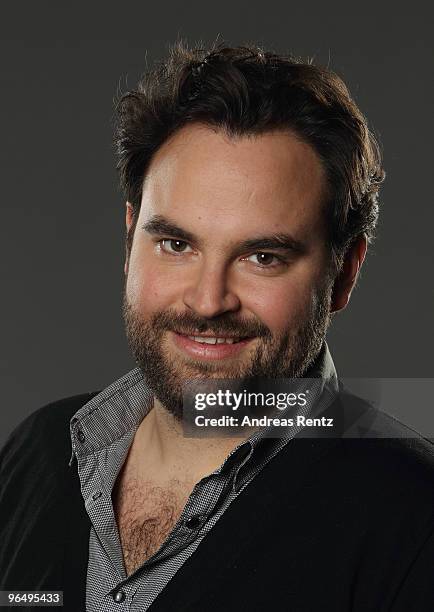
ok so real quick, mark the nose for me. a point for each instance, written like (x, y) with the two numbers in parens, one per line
(209, 293)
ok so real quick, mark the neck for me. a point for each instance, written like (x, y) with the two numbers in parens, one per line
(162, 447)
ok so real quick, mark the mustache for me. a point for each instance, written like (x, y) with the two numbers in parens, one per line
(189, 324)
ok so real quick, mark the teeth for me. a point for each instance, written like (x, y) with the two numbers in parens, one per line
(204, 340)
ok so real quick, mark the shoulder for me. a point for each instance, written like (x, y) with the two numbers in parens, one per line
(367, 455)
(379, 461)
(390, 442)
(38, 493)
(44, 433)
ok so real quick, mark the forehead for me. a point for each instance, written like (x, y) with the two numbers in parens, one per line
(204, 178)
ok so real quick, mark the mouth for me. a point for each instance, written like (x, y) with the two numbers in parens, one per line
(209, 346)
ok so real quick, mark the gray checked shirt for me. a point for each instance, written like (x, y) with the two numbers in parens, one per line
(102, 432)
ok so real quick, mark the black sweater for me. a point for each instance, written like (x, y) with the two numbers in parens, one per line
(332, 523)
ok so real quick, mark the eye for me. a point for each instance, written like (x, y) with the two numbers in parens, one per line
(170, 245)
(266, 260)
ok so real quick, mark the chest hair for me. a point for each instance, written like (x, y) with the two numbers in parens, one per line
(146, 514)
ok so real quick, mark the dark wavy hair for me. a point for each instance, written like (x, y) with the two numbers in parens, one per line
(248, 91)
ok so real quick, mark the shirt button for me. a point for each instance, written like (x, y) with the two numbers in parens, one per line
(119, 596)
(194, 522)
(80, 436)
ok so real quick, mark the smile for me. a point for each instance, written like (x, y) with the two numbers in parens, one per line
(210, 347)
(214, 340)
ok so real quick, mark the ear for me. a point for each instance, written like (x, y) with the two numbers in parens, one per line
(129, 215)
(129, 218)
(347, 278)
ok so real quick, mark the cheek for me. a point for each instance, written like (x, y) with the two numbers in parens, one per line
(146, 291)
(282, 305)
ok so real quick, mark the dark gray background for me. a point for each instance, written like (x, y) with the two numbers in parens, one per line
(62, 227)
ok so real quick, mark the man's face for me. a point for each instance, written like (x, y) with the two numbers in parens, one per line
(229, 273)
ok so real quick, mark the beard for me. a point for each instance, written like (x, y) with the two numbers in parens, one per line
(288, 356)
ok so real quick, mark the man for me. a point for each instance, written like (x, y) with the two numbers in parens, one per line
(252, 183)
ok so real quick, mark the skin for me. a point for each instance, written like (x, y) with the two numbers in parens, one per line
(225, 191)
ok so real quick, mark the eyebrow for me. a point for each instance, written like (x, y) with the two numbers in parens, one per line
(159, 225)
